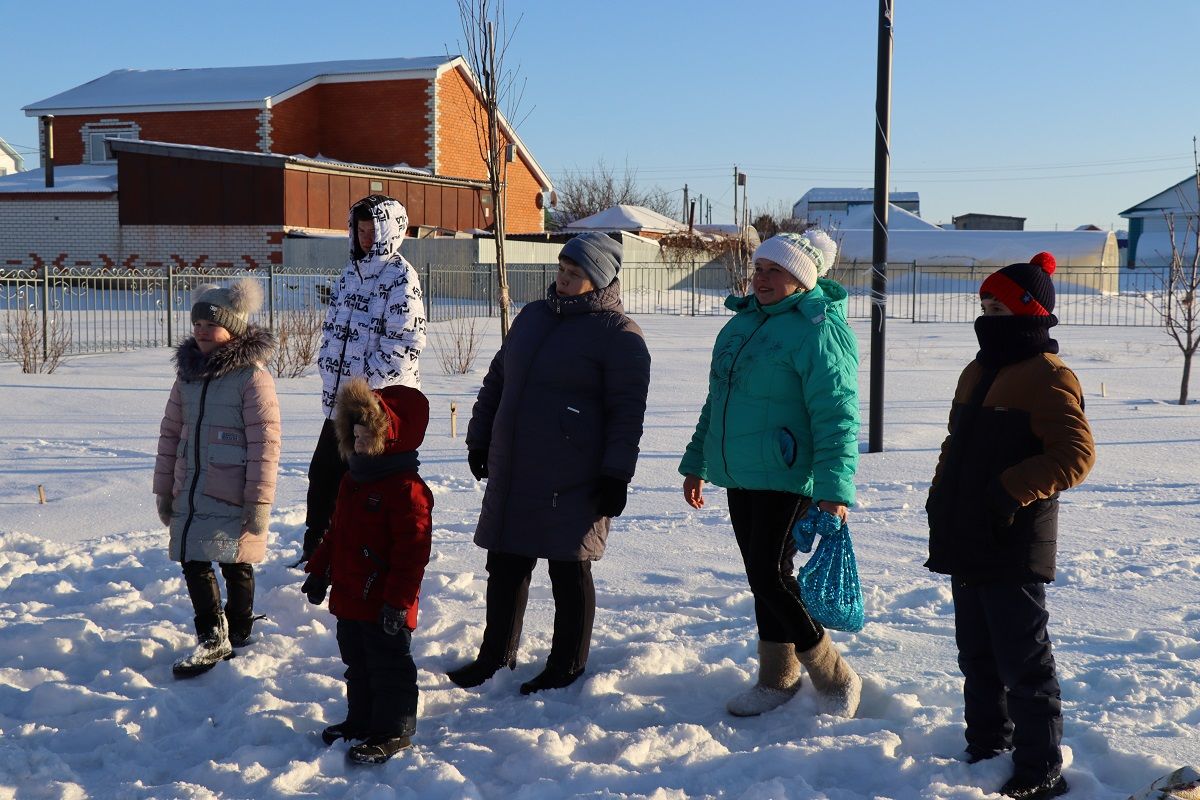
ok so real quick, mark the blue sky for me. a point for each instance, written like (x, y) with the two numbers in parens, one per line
(1062, 111)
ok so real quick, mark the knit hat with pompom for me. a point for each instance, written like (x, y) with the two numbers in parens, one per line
(228, 306)
(1025, 289)
(807, 256)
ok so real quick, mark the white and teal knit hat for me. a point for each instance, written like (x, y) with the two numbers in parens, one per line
(807, 256)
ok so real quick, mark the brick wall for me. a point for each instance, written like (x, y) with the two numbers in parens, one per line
(459, 133)
(374, 122)
(64, 232)
(236, 130)
(84, 232)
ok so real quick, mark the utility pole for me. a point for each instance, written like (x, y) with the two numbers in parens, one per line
(686, 216)
(735, 187)
(879, 240)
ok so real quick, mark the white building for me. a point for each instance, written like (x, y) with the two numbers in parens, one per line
(1149, 237)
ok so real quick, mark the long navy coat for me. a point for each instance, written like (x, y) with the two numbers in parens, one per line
(562, 404)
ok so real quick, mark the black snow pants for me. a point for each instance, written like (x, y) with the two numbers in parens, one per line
(1011, 691)
(574, 609)
(381, 678)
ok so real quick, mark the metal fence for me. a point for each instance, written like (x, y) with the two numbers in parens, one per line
(94, 311)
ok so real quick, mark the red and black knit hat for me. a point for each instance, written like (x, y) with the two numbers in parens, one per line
(1025, 289)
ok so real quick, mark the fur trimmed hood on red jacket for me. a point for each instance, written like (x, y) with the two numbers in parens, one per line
(395, 416)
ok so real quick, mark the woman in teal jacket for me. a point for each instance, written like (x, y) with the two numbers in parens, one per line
(779, 431)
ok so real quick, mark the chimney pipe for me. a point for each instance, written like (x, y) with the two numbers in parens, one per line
(48, 149)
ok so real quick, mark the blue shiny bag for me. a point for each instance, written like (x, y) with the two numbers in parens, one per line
(829, 583)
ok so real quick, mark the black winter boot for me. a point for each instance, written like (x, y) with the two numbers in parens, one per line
(476, 672)
(212, 648)
(342, 730)
(378, 749)
(1052, 785)
(551, 677)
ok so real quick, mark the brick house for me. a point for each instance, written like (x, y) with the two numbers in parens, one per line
(214, 167)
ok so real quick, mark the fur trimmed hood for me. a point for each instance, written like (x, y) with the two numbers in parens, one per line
(395, 416)
(254, 348)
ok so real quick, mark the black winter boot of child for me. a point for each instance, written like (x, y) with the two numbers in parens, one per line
(378, 749)
(212, 648)
(211, 632)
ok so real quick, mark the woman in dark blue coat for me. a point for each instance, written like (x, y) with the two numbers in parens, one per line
(555, 430)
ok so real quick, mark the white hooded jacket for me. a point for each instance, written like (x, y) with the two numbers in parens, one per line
(375, 326)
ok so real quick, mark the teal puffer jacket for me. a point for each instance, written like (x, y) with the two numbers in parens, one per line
(782, 407)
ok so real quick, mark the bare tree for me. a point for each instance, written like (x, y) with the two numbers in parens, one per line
(581, 194)
(34, 348)
(486, 37)
(298, 338)
(1178, 306)
(457, 343)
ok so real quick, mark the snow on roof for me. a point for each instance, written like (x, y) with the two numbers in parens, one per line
(626, 218)
(863, 217)
(215, 85)
(101, 178)
(980, 248)
(841, 195)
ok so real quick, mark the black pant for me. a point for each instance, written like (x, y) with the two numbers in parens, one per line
(760, 520)
(381, 678)
(325, 473)
(574, 609)
(1010, 689)
(206, 595)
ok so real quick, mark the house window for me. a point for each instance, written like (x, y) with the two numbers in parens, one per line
(94, 135)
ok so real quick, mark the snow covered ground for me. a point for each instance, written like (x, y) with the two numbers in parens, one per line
(92, 613)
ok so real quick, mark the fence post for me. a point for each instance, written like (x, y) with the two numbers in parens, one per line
(427, 292)
(271, 295)
(912, 314)
(45, 311)
(170, 304)
(693, 287)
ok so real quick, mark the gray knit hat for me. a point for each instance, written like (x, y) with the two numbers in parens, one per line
(597, 254)
(230, 307)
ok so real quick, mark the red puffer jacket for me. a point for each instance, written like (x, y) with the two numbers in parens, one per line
(379, 540)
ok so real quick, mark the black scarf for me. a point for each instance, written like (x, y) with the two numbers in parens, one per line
(365, 469)
(1007, 340)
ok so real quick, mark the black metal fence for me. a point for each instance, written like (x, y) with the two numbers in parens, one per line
(95, 311)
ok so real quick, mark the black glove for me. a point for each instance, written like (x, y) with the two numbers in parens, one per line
(312, 539)
(315, 586)
(477, 461)
(392, 619)
(611, 494)
(1001, 507)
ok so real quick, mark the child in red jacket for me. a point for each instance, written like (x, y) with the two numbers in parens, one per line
(374, 557)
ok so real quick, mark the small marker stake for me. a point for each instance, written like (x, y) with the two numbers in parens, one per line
(453, 420)
(1103, 391)
(41, 494)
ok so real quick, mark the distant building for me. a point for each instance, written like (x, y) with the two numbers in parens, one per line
(988, 222)
(827, 208)
(1149, 236)
(215, 166)
(10, 160)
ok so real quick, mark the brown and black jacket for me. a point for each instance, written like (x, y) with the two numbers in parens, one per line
(993, 503)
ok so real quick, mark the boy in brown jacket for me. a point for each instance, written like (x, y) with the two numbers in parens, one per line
(1018, 436)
